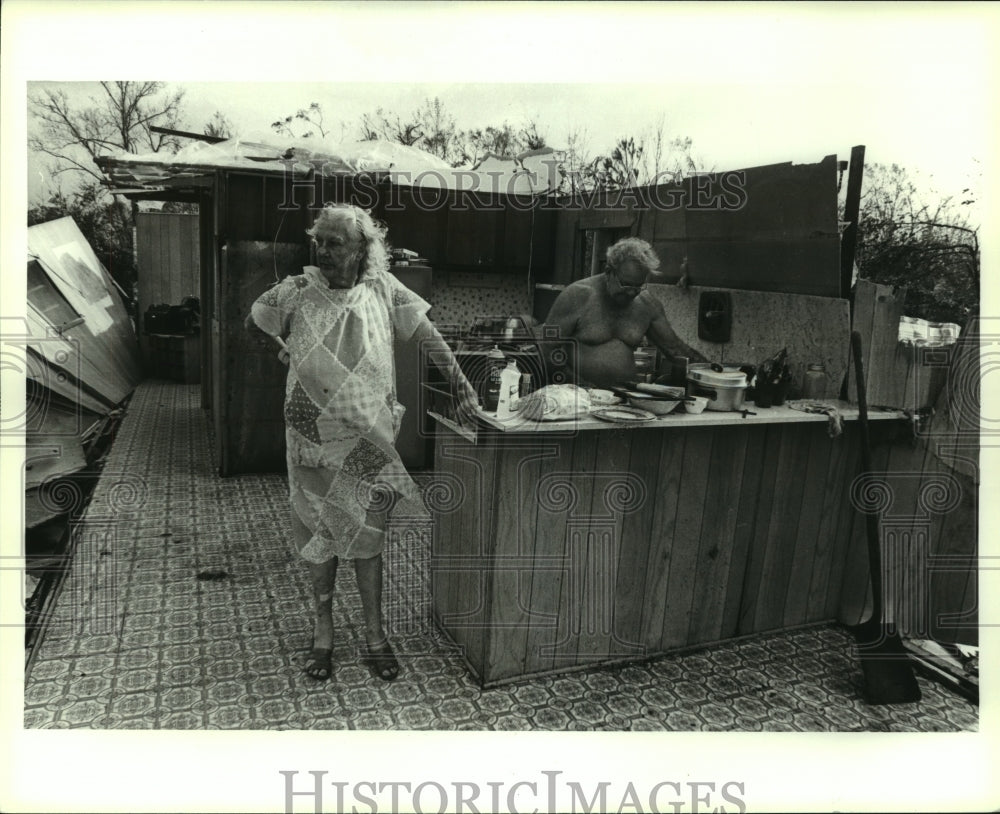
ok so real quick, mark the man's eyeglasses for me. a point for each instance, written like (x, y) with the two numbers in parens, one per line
(628, 289)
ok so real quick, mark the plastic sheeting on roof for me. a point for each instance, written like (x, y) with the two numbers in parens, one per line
(534, 172)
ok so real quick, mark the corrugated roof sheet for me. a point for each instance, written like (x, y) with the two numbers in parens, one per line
(532, 173)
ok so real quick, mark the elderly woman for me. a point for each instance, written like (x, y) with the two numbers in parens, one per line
(339, 319)
(606, 316)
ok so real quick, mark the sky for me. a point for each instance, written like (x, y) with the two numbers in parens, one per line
(751, 84)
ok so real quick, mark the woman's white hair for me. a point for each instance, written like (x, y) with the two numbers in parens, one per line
(375, 251)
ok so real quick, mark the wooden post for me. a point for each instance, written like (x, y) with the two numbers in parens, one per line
(852, 208)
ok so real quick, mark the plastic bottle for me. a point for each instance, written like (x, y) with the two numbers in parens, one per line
(814, 383)
(491, 389)
(510, 381)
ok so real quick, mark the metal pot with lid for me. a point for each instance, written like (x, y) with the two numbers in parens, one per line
(723, 385)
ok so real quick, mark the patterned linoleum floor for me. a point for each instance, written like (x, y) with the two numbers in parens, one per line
(136, 640)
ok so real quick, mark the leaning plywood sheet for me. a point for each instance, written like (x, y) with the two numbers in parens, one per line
(814, 329)
(897, 374)
(39, 507)
(105, 336)
(56, 449)
(771, 228)
(252, 427)
(954, 427)
(55, 363)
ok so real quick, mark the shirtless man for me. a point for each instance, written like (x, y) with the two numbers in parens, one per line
(608, 315)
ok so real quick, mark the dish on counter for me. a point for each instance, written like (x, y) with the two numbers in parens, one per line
(622, 415)
(662, 390)
(602, 398)
(696, 405)
(653, 404)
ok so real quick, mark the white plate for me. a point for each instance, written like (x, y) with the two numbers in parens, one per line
(622, 415)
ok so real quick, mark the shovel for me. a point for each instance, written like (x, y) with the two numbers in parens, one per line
(888, 673)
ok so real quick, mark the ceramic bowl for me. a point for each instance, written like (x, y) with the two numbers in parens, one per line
(697, 406)
(651, 404)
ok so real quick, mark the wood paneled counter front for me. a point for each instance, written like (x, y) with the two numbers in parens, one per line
(567, 544)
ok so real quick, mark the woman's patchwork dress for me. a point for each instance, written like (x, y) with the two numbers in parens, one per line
(341, 412)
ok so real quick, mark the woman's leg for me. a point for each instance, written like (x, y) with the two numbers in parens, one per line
(322, 577)
(369, 575)
(368, 571)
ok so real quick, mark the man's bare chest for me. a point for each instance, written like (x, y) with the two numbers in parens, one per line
(600, 323)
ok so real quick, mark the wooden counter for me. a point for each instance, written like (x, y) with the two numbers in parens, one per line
(680, 418)
(568, 544)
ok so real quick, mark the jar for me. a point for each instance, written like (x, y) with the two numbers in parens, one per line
(814, 383)
(526, 386)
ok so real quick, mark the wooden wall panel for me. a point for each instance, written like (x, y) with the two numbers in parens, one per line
(479, 531)
(244, 207)
(778, 526)
(636, 543)
(208, 261)
(846, 520)
(673, 255)
(691, 507)
(793, 266)
(670, 222)
(744, 530)
(746, 520)
(460, 594)
(520, 468)
(780, 233)
(609, 506)
(661, 543)
(566, 250)
(808, 540)
(169, 264)
(827, 564)
(527, 236)
(780, 201)
(718, 536)
(417, 220)
(252, 411)
(786, 515)
(573, 609)
(550, 576)
(753, 582)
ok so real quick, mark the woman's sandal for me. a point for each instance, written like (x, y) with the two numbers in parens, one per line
(381, 661)
(319, 664)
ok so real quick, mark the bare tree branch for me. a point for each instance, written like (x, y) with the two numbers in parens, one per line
(119, 118)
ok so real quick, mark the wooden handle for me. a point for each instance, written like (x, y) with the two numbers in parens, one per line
(871, 517)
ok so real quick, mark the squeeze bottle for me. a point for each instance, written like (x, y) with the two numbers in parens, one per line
(510, 383)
